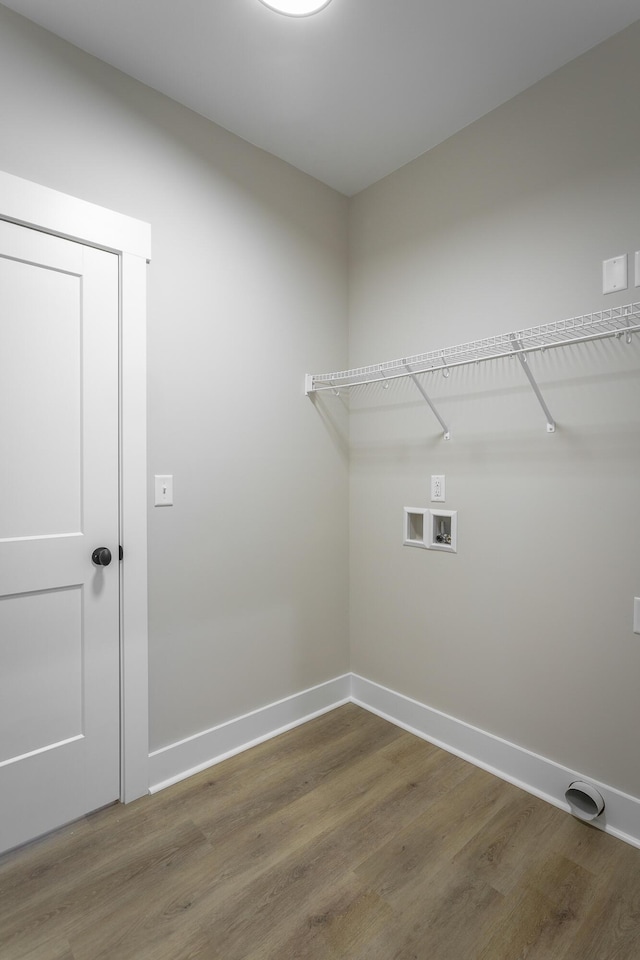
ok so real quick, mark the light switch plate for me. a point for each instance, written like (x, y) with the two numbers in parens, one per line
(163, 490)
(614, 274)
(636, 614)
(637, 268)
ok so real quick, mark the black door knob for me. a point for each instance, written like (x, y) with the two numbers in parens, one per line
(101, 556)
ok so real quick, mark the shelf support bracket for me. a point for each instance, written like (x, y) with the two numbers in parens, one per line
(522, 357)
(447, 432)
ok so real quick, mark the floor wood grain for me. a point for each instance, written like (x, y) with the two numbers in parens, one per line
(344, 839)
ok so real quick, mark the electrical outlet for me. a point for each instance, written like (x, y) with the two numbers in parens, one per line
(437, 488)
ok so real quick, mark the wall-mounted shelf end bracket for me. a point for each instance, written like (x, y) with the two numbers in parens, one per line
(522, 357)
(308, 384)
(447, 432)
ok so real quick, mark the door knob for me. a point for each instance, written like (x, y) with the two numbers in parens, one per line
(101, 556)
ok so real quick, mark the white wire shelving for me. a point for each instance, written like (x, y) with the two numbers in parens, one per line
(611, 322)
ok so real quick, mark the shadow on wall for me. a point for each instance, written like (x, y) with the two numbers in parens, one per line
(334, 413)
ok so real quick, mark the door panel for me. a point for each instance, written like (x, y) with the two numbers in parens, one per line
(41, 692)
(59, 613)
(41, 371)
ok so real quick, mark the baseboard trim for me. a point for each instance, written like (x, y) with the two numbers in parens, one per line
(537, 775)
(180, 760)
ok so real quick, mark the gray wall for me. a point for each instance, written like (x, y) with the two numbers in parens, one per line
(247, 291)
(526, 631)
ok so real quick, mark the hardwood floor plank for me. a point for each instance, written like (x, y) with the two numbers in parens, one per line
(319, 859)
(611, 928)
(345, 839)
(611, 933)
(443, 919)
(242, 848)
(591, 848)
(343, 918)
(105, 890)
(521, 927)
(439, 831)
(512, 841)
(216, 884)
(292, 884)
(57, 950)
(217, 887)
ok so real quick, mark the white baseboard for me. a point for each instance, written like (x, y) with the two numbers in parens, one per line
(186, 757)
(537, 775)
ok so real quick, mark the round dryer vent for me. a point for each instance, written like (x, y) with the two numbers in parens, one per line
(584, 800)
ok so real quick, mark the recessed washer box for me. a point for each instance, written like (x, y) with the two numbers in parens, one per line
(442, 533)
(416, 526)
(431, 529)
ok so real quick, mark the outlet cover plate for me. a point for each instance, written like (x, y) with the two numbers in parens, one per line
(437, 488)
(614, 274)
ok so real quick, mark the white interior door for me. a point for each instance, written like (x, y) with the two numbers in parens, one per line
(59, 611)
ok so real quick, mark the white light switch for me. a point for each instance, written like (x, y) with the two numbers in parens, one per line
(163, 491)
(636, 614)
(637, 268)
(614, 274)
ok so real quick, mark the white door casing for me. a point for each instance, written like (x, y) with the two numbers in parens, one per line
(59, 612)
(23, 202)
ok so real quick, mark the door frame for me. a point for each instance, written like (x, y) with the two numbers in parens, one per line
(32, 205)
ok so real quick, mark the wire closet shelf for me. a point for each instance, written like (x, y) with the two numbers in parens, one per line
(611, 322)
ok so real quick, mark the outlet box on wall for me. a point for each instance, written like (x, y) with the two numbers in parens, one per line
(443, 531)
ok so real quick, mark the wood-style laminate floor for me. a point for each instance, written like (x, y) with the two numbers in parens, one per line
(344, 838)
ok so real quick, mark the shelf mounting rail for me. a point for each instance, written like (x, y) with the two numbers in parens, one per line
(611, 322)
